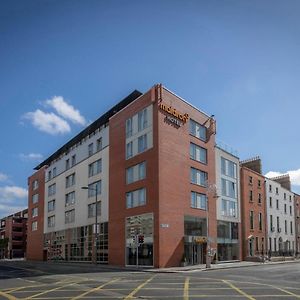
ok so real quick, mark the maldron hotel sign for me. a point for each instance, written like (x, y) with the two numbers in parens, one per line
(173, 116)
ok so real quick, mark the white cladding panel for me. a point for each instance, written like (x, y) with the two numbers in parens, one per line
(82, 178)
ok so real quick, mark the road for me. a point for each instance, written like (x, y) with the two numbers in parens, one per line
(24, 280)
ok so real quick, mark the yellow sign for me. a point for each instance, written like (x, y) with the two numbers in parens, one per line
(173, 112)
(200, 240)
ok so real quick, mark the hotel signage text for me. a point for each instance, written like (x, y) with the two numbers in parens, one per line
(174, 116)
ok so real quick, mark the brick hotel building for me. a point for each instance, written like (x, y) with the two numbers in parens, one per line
(151, 159)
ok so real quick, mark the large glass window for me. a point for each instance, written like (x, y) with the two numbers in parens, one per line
(51, 205)
(34, 226)
(70, 180)
(195, 226)
(142, 143)
(128, 127)
(129, 149)
(34, 212)
(91, 210)
(228, 188)
(70, 216)
(136, 172)
(198, 153)
(35, 198)
(92, 188)
(198, 200)
(70, 199)
(95, 167)
(228, 208)
(198, 177)
(142, 120)
(35, 184)
(51, 221)
(136, 226)
(51, 189)
(197, 130)
(228, 168)
(136, 198)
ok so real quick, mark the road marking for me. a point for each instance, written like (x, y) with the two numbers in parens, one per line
(288, 292)
(130, 296)
(238, 290)
(95, 289)
(186, 288)
(51, 290)
(7, 296)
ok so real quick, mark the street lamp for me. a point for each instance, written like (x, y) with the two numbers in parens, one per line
(96, 218)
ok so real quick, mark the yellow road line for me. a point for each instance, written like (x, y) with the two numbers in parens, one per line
(186, 288)
(51, 290)
(130, 296)
(95, 289)
(7, 296)
(238, 290)
(288, 292)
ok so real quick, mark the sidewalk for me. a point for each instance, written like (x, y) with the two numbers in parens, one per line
(218, 266)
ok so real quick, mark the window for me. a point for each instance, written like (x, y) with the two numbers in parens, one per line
(95, 167)
(284, 196)
(228, 208)
(142, 143)
(34, 226)
(51, 221)
(70, 180)
(35, 184)
(49, 175)
(270, 188)
(270, 201)
(277, 204)
(73, 160)
(197, 130)
(271, 223)
(142, 120)
(91, 210)
(228, 168)
(129, 150)
(51, 189)
(198, 200)
(228, 188)
(285, 208)
(285, 226)
(99, 144)
(136, 172)
(198, 153)
(251, 219)
(259, 198)
(260, 221)
(136, 198)
(250, 180)
(277, 191)
(290, 198)
(128, 127)
(251, 196)
(35, 198)
(67, 164)
(291, 225)
(54, 172)
(275, 245)
(70, 199)
(91, 149)
(51, 205)
(92, 189)
(198, 177)
(259, 183)
(256, 243)
(278, 228)
(70, 216)
(34, 212)
(291, 210)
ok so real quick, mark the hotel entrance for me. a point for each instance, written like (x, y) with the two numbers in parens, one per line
(195, 253)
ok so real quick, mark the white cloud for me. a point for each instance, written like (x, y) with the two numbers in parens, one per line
(48, 122)
(31, 157)
(3, 177)
(66, 110)
(9, 194)
(294, 176)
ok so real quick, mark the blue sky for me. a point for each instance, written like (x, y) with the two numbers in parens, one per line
(64, 63)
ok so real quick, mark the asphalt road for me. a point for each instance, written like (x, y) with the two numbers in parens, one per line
(23, 280)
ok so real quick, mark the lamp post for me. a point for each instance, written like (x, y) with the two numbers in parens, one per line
(96, 218)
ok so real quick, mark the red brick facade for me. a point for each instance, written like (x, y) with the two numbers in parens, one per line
(167, 182)
(253, 185)
(35, 238)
